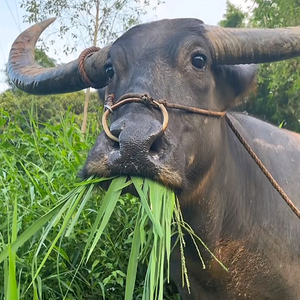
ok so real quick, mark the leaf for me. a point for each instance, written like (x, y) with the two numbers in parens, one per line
(28, 233)
(138, 182)
(109, 202)
(132, 264)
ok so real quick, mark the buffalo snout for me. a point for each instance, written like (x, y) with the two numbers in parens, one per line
(143, 149)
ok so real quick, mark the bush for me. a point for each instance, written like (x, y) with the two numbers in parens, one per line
(51, 108)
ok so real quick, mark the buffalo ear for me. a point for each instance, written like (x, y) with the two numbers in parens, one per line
(240, 79)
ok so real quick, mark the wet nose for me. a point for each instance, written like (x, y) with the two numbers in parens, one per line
(137, 137)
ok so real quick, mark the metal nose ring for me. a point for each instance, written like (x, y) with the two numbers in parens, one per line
(110, 109)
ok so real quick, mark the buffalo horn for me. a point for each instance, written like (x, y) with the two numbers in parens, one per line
(252, 45)
(27, 75)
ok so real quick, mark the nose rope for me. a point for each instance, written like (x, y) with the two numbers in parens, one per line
(163, 104)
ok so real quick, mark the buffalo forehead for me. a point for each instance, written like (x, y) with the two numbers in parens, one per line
(165, 37)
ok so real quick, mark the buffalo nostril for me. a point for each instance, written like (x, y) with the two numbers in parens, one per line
(156, 146)
(115, 144)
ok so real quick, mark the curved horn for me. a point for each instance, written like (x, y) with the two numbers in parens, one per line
(252, 45)
(28, 76)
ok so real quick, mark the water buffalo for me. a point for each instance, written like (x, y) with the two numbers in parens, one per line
(223, 194)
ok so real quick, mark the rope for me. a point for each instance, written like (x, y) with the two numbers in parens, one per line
(194, 110)
(83, 55)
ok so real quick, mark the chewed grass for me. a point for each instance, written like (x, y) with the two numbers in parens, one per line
(158, 219)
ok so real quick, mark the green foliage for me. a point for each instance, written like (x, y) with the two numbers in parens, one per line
(277, 96)
(40, 164)
(34, 173)
(51, 108)
(234, 17)
(43, 59)
(88, 23)
(276, 13)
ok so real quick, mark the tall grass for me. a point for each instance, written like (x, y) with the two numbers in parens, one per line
(39, 167)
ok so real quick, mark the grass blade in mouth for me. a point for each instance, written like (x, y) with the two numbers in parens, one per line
(109, 202)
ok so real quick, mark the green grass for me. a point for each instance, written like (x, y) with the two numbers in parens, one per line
(65, 239)
(40, 162)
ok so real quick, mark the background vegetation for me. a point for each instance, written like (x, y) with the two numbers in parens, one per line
(42, 150)
(277, 97)
(40, 164)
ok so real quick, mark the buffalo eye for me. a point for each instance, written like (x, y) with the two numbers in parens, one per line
(109, 71)
(199, 61)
